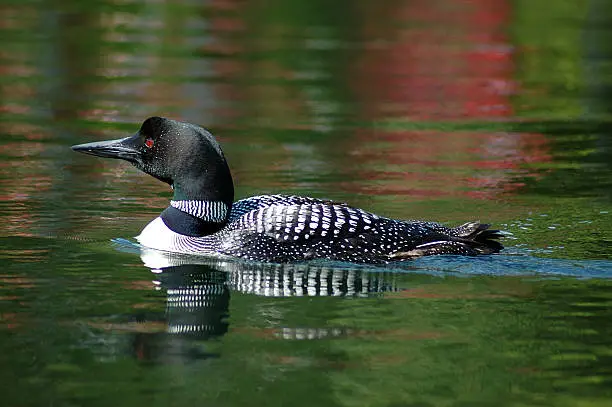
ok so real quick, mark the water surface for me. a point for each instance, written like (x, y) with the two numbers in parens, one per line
(443, 110)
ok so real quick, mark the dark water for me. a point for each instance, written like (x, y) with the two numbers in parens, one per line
(452, 111)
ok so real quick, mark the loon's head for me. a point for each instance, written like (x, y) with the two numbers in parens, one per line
(181, 154)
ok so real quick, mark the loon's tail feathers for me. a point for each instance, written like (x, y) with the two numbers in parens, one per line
(469, 239)
(479, 237)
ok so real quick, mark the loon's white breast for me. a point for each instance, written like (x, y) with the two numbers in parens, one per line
(156, 235)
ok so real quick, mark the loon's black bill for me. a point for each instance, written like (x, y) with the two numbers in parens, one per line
(125, 148)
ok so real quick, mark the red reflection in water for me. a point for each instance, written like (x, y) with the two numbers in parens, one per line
(450, 62)
(433, 164)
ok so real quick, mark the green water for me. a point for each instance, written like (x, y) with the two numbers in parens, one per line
(495, 110)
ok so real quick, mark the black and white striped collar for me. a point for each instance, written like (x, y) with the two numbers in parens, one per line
(208, 211)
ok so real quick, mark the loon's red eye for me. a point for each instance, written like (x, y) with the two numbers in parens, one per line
(149, 142)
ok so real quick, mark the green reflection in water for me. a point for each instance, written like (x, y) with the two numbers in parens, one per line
(399, 107)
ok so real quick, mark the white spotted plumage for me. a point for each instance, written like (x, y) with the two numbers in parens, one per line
(282, 228)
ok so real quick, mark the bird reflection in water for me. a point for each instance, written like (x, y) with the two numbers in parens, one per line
(198, 290)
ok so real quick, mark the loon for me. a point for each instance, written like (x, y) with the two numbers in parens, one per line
(202, 218)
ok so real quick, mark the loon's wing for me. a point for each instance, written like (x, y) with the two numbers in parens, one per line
(288, 232)
(280, 232)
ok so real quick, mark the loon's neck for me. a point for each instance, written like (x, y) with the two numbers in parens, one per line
(189, 218)
(200, 207)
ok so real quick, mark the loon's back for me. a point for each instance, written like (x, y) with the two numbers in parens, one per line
(281, 228)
